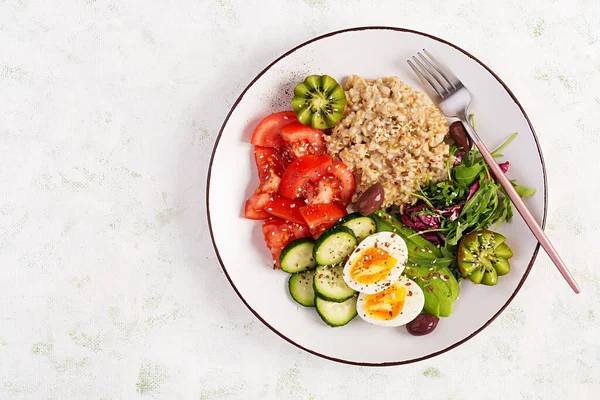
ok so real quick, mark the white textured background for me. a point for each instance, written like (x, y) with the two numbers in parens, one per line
(109, 287)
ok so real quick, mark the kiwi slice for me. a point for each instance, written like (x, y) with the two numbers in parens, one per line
(319, 101)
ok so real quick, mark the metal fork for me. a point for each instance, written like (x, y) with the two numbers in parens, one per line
(453, 99)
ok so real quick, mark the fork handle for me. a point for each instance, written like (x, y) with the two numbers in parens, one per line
(535, 228)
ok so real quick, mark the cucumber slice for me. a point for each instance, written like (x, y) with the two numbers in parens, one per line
(329, 284)
(334, 245)
(301, 288)
(336, 314)
(361, 225)
(319, 101)
(297, 256)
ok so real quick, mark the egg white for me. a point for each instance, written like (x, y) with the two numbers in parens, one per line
(413, 305)
(388, 241)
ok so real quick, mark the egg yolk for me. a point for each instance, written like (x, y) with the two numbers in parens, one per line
(386, 305)
(372, 265)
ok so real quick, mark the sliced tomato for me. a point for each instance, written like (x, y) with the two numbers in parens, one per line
(271, 185)
(301, 172)
(255, 205)
(325, 190)
(345, 179)
(287, 156)
(268, 131)
(321, 217)
(341, 182)
(268, 161)
(287, 209)
(278, 233)
(303, 140)
(336, 187)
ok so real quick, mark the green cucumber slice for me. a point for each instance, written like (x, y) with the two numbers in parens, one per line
(297, 256)
(334, 245)
(336, 314)
(301, 288)
(329, 284)
(361, 225)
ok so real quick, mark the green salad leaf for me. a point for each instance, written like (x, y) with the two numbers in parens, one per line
(433, 269)
(483, 201)
(466, 175)
(449, 210)
(524, 191)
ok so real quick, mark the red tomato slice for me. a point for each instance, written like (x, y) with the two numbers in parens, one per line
(299, 231)
(303, 140)
(287, 156)
(278, 233)
(337, 187)
(287, 209)
(268, 161)
(324, 191)
(301, 172)
(345, 178)
(321, 217)
(255, 205)
(271, 185)
(268, 131)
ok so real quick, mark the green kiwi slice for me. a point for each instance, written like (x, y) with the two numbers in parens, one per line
(319, 101)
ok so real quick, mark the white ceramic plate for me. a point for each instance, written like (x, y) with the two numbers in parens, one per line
(369, 52)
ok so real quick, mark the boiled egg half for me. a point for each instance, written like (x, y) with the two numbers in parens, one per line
(377, 263)
(397, 305)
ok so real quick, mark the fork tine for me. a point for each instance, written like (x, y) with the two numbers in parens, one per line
(427, 84)
(445, 72)
(444, 89)
(441, 79)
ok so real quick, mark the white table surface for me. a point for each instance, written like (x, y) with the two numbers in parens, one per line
(109, 286)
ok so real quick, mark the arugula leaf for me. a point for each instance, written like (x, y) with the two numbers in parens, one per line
(488, 205)
(503, 213)
(496, 152)
(465, 176)
(524, 191)
(503, 145)
(451, 151)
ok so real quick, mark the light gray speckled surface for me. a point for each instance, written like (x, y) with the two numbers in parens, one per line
(109, 287)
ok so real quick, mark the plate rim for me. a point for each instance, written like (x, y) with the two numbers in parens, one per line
(388, 363)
